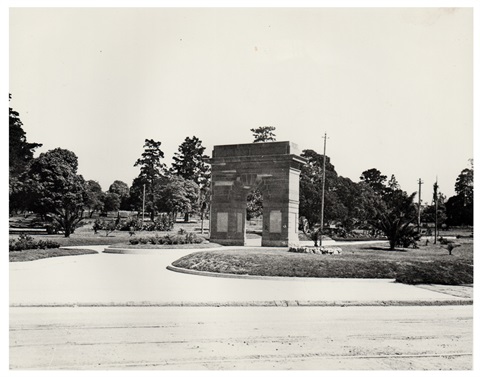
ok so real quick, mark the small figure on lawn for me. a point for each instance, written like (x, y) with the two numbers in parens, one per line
(451, 246)
(313, 233)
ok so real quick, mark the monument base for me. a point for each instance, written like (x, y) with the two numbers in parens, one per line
(229, 242)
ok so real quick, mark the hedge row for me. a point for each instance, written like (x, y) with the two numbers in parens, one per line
(176, 239)
(25, 242)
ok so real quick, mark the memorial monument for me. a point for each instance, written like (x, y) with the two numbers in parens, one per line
(274, 169)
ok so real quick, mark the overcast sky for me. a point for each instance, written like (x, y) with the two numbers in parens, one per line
(391, 87)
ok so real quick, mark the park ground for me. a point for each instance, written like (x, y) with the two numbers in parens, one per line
(429, 263)
(112, 311)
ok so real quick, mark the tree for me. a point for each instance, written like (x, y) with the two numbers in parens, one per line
(359, 203)
(111, 202)
(393, 184)
(374, 178)
(254, 204)
(94, 197)
(151, 170)
(396, 218)
(428, 213)
(460, 206)
(263, 134)
(121, 189)
(177, 195)
(189, 162)
(20, 151)
(311, 188)
(54, 189)
(20, 154)
(464, 185)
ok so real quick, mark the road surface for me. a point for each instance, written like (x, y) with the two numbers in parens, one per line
(242, 338)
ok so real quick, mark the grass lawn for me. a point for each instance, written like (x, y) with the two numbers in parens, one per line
(84, 235)
(30, 255)
(164, 247)
(427, 265)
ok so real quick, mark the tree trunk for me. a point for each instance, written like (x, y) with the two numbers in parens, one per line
(186, 217)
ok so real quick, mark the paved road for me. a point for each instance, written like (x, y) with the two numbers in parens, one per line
(100, 318)
(115, 279)
(328, 338)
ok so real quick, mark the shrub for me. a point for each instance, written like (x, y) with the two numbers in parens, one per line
(130, 225)
(315, 250)
(51, 229)
(443, 241)
(162, 223)
(176, 239)
(26, 242)
(437, 272)
(107, 226)
(409, 237)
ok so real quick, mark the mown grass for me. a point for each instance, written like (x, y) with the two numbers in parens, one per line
(164, 247)
(427, 265)
(31, 255)
(85, 236)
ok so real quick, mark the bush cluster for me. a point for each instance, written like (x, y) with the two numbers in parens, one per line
(26, 242)
(175, 239)
(315, 250)
(436, 272)
(162, 223)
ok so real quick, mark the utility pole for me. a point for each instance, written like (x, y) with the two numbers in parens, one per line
(420, 183)
(143, 206)
(435, 197)
(323, 187)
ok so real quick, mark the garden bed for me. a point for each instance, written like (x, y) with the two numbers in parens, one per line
(31, 255)
(431, 265)
(165, 247)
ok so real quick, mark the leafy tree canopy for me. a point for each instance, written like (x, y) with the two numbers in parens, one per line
(20, 151)
(263, 134)
(120, 188)
(52, 187)
(177, 195)
(151, 166)
(375, 179)
(152, 169)
(94, 196)
(460, 206)
(189, 162)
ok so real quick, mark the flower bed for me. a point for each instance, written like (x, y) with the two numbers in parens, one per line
(175, 239)
(315, 250)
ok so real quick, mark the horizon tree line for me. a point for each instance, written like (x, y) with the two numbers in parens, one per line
(50, 186)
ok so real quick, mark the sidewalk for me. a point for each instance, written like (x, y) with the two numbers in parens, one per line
(142, 279)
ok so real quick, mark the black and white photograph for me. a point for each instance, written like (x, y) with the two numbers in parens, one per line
(240, 187)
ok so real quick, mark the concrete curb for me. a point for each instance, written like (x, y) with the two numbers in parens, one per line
(276, 303)
(233, 276)
(125, 250)
(115, 250)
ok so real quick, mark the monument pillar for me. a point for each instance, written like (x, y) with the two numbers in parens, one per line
(273, 168)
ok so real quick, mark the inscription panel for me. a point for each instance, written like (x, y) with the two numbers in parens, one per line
(239, 222)
(222, 222)
(276, 221)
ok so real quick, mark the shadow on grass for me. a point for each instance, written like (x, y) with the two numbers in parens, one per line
(376, 248)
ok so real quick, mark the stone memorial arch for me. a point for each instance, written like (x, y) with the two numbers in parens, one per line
(274, 169)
